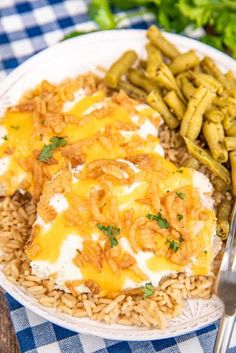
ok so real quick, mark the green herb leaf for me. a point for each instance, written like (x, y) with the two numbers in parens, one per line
(162, 222)
(112, 232)
(75, 34)
(5, 138)
(15, 127)
(47, 150)
(180, 217)
(148, 290)
(173, 245)
(181, 195)
(100, 12)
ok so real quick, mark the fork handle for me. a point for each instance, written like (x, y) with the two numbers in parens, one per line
(224, 333)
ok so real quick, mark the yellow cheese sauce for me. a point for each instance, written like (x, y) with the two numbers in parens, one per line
(125, 206)
(95, 133)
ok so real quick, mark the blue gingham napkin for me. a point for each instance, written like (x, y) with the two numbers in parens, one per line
(26, 27)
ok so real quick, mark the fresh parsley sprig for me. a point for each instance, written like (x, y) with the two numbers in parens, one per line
(162, 222)
(148, 290)
(47, 151)
(112, 232)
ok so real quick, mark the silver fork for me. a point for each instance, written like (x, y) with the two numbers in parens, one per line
(226, 290)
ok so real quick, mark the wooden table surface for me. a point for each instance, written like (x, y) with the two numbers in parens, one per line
(8, 343)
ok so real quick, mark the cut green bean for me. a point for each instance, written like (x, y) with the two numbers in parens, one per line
(155, 100)
(156, 38)
(175, 104)
(207, 81)
(119, 68)
(191, 163)
(205, 158)
(230, 143)
(220, 185)
(223, 216)
(154, 59)
(211, 68)
(232, 156)
(214, 114)
(214, 135)
(192, 120)
(187, 87)
(184, 62)
(137, 78)
(132, 90)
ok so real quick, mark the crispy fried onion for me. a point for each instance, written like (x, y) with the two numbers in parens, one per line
(111, 169)
(103, 205)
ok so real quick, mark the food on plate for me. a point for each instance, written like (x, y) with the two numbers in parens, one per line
(117, 190)
(141, 220)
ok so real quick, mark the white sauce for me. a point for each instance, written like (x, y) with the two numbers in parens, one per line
(142, 258)
(78, 96)
(94, 107)
(205, 188)
(64, 266)
(59, 202)
(4, 163)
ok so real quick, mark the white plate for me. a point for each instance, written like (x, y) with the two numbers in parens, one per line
(68, 59)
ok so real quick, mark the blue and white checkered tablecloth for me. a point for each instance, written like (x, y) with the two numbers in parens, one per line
(26, 27)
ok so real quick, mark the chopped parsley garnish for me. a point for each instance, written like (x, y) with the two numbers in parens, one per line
(148, 290)
(173, 245)
(180, 217)
(205, 251)
(112, 232)
(181, 195)
(15, 127)
(181, 239)
(47, 150)
(5, 138)
(162, 222)
(179, 171)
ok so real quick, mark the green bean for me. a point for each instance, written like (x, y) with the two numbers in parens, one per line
(175, 104)
(231, 131)
(205, 158)
(155, 100)
(184, 62)
(232, 156)
(154, 59)
(230, 77)
(119, 68)
(214, 114)
(143, 64)
(187, 87)
(166, 79)
(207, 81)
(230, 143)
(220, 184)
(156, 38)
(223, 216)
(191, 163)
(137, 78)
(131, 90)
(192, 120)
(214, 135)
(210, 68)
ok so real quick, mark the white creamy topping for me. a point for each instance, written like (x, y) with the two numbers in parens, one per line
(78, 96)
(142, 258)
(3, 134)
(205, 188)
(130, 164)
(93, 107)
(42, 224)
(147, 128)
(59, 202)
(64, 266)
(4, 163)
(140, 107)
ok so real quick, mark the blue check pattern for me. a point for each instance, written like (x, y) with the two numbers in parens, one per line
(27, 27)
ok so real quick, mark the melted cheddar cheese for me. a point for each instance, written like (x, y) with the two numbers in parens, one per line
(163, 216)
